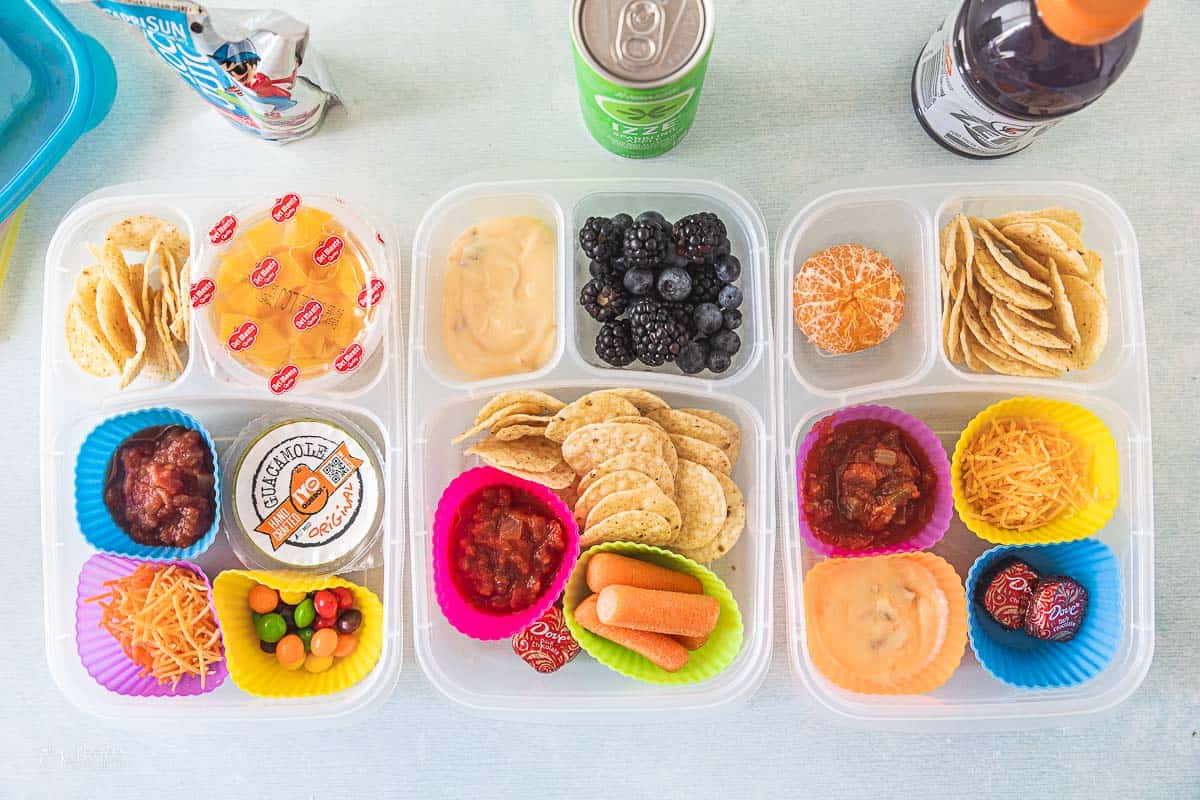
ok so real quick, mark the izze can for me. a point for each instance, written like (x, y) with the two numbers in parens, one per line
(640, 66)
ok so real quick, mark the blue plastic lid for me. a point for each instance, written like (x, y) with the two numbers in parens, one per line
(55, 85)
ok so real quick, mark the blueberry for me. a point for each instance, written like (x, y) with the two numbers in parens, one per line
(674, 283)
(708, 318)
(693, 357)
(719, 361)
(655, 217)
(599, 269)
(729, 297)
(618, 265)
(638, 281)
(676, 259)
(728, 268)
(725, 341)
(723, 248)
(622, 220)
(732, 318)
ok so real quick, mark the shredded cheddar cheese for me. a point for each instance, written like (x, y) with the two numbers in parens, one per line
(1020, 474)
(162, 619)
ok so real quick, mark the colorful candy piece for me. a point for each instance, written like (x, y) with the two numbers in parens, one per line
(289, 650)
(305, 613)
(346, 644)
(547, 644)
(263, 599)
(271, 627)
(326, 604)
(324, 642)
(345, 597)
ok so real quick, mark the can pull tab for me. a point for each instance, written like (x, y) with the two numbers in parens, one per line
(644, 29)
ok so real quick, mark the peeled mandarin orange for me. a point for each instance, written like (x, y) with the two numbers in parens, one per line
(847, 298)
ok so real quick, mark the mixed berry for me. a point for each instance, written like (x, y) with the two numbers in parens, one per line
(664, 292)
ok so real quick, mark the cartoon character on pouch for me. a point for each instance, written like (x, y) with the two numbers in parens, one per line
(240, 61)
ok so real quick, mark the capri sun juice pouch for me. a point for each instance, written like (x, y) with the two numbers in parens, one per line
(249, 65)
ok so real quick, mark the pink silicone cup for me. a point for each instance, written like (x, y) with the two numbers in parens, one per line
(461, 614)
(101, 654)
(935, 454)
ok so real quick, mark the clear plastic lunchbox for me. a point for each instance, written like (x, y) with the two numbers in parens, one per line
(486, 677)
(901, 216)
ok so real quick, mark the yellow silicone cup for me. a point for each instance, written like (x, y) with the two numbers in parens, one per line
(944, 663)
(258, 673)
(1081, 425)
(707, 662)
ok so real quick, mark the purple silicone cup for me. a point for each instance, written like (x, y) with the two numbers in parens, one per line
(101, 654)
(931, 448)
(461, 614)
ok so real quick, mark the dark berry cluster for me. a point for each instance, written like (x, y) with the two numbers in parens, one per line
(663, 292)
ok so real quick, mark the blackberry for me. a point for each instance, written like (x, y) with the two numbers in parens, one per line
(705, 284)
(600, 238)
(698, 235)
(614, 343)
(684, 313)
(603, 298)
(600, 269)
(646, 244)
(657, 337)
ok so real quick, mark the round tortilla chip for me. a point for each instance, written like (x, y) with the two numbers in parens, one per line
(644, 401)
(530, 454)
(1091, 316)
(1013, 270)
(629, 526)
(731, 529)
(687, 424)
(558, 478)
(511, 433)
(597, 442)
(548, 403)
(650, 465)
(646, 499)
(1064, 312)
(1031, 333)
(701, 452)
(728, 425)
(621, 480)
(1040, 356)
(495, 417)
(1040, 240)
(702, 503)
(593, 407)
(1000, 284)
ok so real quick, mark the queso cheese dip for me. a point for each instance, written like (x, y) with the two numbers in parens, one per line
(498, 308)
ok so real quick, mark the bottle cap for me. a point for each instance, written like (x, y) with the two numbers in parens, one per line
(1089, 22)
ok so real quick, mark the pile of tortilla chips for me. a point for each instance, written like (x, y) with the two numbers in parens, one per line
(1022, 294)
(126, 319)
(632, 468)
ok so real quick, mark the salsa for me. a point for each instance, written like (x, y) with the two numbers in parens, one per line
(506, 550)
(866, 484)
(160, 487)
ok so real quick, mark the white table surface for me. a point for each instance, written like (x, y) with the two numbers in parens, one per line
(797, 93)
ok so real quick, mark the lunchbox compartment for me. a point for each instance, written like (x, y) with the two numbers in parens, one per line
(442, 224)
(746, 243)
(1106, 229)
(489, 678)
(900, 231)
(67, 552)
(972, 696)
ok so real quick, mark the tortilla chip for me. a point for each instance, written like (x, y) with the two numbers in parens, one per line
(1031, 333)
(545, 403)
(644, 401)
(731, 529)
(702, 503)
(1091, 316)
(687, 424)
(650, 465)
(728, 425)
(701, 452)
(1014, 271)
(1064, 312)
(1040, 240)
(629, 526)
(650, 499)
(591, 408)
(597, 442)
(531, 454)
(609, 484)
(519, 407)
(86, 348)
(1002, 285)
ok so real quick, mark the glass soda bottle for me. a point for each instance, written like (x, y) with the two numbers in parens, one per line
(999, 73)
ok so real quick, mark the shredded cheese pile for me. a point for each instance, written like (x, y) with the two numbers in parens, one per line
(161, 617)
(1020, 474)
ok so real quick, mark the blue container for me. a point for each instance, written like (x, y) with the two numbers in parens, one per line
(55, 85)
(91, 474)
(1028, 663)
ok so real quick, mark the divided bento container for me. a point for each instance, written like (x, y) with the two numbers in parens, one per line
(910, 372)
(74, 403)
(487, 677)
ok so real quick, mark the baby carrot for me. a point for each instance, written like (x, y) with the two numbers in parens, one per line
(608, 569)
(672, 613)
(663, 651)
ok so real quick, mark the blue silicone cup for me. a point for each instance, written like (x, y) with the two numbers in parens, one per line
(1027, 663)
(91, 471)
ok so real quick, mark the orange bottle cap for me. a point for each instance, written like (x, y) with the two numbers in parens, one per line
(1089, 22)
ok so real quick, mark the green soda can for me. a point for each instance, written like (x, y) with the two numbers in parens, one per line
(640, 65)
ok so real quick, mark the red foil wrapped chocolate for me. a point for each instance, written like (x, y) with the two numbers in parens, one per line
(1057, 609)
(547, 644)
(1007, 595)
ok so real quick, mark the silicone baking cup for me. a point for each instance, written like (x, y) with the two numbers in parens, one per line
(91, 473)
(948, 657)
(458, 611)
(259, 673)
(1078, 423)
(939, 521)
(101, 654)
(707, 662)
(1027, 663)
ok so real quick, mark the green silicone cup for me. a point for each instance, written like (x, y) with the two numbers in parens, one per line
(709, 661)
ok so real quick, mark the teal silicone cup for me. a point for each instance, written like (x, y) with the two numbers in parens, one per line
(91, 472)
(1027, 663)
